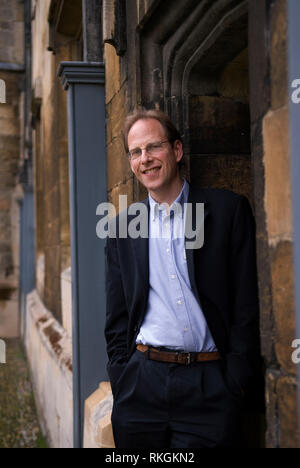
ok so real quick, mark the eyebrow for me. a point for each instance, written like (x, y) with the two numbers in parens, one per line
(150, 143)
(136, 147)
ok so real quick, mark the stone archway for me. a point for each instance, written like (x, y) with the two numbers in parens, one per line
(188, 59)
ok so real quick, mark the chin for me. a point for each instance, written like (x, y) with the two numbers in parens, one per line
(153, 185)
(156, 183)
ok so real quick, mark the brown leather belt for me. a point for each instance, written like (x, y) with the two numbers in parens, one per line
(177, 357)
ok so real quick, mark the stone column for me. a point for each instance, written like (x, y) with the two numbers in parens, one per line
(87, 165)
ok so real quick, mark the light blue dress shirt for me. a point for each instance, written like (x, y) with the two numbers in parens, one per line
(174, 318)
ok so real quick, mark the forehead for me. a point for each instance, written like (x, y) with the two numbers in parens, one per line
(144, 131)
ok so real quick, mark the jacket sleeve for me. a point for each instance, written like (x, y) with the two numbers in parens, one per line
(244, 355)
(116, 315)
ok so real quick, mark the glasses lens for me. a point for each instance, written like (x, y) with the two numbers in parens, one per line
(154, 147)
(133, 154)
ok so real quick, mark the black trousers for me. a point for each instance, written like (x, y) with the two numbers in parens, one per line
(162, 405)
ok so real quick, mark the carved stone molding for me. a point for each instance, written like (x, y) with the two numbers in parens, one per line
(65, 20)
(114, 24)
(192, 42)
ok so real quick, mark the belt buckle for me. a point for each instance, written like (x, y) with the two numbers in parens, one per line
(188, 359)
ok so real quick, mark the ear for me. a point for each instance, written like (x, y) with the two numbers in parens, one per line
(178, 150)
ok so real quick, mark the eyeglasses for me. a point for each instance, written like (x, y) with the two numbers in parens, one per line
(151, 148)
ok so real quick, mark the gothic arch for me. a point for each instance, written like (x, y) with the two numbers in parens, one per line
(187, 52)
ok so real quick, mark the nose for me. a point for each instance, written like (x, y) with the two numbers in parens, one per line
(145, 156)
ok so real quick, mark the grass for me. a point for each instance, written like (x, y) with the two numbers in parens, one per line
(19, 426)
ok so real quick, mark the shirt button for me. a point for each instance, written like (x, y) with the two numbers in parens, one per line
(186, 329)
(173, 276)
(168, 250)
(179, 302)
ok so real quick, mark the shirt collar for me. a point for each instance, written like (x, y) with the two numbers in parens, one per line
(181, 199)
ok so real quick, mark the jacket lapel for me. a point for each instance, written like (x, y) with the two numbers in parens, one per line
(195, 196)
(141, 251)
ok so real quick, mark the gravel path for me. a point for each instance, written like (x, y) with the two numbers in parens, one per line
(19, 426)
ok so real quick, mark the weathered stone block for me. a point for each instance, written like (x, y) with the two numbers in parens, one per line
(112, 65)
(9, 127)
(51, 166)
(9, 318)
(278, 53)
(97, 418)
(6, 11)
(19, 11)
(116, 113)
(64, 200)
(277, 174)
(118, 167)
(287, 391)
(6, 112)
(51, 205)
(258, 59)
(19, 42)
(4, 205)
(222, 171)
(125, 188)
(283, 303)
(9, 143)
(234, 80)
(219, 125)
(271, 409)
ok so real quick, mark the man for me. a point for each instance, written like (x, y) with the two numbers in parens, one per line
(182, 324)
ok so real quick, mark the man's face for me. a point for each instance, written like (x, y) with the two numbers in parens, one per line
(156, 171)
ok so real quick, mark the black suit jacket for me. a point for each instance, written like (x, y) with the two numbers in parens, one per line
(223, 278)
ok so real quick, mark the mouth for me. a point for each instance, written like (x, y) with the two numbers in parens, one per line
(151, 171)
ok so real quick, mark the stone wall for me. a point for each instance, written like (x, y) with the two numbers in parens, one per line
(271, 162)
(11, 58)
(120, 179)
(264, 177)
(11, 31)
(50, 148)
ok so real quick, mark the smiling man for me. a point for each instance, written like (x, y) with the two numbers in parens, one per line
(182, 325)
(154, 158)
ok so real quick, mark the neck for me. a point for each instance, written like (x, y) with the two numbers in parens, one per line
(168, 194)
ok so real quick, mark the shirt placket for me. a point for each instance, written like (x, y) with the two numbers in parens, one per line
(179, 302)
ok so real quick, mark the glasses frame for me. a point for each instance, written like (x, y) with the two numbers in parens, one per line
(145, 148)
